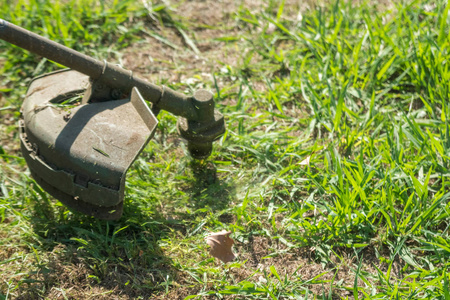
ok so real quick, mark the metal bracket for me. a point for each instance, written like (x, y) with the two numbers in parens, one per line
(99, 90)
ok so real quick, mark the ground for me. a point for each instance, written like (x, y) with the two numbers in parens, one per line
(299, 230)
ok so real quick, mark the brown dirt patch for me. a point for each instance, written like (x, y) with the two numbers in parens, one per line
(208, 21)
(263, 252)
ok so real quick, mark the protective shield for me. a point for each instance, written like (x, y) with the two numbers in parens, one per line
(80, 153)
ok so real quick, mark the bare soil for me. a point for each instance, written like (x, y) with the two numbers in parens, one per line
(209, 21)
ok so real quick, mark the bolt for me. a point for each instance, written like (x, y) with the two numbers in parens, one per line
(203, 97)
(98, 87)
(203, 101)
(116, 94)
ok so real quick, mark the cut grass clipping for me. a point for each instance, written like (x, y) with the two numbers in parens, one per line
(332, 177)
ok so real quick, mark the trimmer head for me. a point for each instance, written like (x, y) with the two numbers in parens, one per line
(80, 154)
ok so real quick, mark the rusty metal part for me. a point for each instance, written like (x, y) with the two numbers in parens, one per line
(81, 154)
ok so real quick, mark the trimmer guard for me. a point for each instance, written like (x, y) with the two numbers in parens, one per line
(80, 155)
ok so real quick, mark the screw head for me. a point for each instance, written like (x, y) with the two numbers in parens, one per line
(116, 94)
(203, 97)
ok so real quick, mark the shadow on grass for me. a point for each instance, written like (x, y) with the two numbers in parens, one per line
(85, 256)
(77, 256)
(207, 189)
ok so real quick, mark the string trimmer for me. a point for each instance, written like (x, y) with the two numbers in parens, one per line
(80, 153)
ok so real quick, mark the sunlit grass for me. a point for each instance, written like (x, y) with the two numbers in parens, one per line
(361, 90)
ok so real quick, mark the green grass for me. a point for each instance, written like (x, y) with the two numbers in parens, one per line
(361, 88)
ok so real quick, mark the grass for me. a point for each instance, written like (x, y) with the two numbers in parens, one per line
(359, 88)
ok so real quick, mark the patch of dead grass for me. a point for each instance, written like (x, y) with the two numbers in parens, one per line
(301, 263)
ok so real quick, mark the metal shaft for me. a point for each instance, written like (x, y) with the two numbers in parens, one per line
(116, 77)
